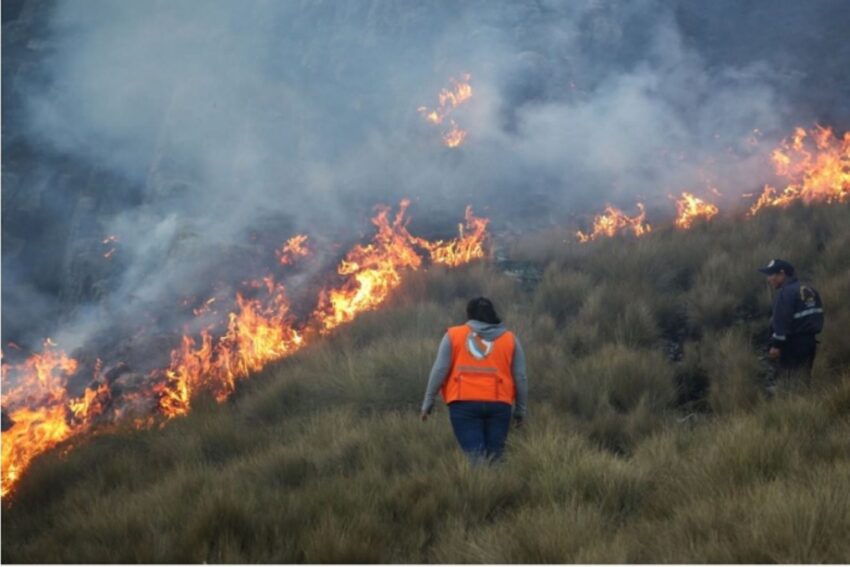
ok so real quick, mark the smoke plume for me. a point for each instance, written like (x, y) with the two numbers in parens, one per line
(201, 135)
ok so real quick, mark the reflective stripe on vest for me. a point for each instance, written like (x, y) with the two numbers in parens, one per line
(480, 370)
(807, 312)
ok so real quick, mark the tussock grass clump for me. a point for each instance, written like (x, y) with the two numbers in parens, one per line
(561, 292)
(721, 291)
(834, 350)
(649, 438)
(619, 378)
(735, 375)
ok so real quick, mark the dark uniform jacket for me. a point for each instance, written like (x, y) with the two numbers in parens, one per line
(797, 314)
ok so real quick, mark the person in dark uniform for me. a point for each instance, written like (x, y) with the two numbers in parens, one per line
(796, 320)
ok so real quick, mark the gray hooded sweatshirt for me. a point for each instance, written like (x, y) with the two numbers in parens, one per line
(442, 366)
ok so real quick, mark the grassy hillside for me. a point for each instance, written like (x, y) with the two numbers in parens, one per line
(648, 438)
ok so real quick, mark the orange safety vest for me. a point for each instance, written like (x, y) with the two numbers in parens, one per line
(481, 370)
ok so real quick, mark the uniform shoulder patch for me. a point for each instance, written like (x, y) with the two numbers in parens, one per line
(808, 296)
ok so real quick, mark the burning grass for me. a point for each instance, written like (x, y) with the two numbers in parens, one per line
(258, 331)
(613, 221)
(262, 330)
(450, 99)
(631, 453)
(816, 165)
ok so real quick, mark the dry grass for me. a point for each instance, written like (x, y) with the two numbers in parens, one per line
(629, 454)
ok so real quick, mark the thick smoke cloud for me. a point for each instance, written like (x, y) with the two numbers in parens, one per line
(212, 129)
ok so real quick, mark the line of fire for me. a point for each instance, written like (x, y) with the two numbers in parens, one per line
(39, 413)
(815, 164)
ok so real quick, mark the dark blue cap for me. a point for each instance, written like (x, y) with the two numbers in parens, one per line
(776, 265)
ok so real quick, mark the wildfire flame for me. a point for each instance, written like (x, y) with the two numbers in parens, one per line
(258, 332)
(372, 271)
(613, 221)
(450, 99)
(690, 208)
(35, 397)
(295, 247)
(454, 136)
(260, 329)
(467, 247)
(817, 165)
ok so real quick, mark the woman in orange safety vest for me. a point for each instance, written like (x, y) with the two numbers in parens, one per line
(480, 373)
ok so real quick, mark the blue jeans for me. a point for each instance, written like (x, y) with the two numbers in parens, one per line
(481, 428)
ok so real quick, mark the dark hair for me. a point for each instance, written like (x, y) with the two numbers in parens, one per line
(481, 309)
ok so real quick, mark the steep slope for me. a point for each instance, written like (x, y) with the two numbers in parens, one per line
(649, 439)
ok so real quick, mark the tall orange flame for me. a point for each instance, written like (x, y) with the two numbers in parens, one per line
(817, 166)
(613, 221)
(35, 398)
(689, 208)
(259, 331)
(372, 271)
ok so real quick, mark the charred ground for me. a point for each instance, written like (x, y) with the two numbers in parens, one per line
(648, 438)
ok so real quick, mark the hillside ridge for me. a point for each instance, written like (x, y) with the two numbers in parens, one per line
(649, 437)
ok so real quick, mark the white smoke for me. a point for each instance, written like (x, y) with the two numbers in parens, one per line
(230, 118)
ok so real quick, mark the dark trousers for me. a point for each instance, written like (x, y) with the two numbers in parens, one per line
(798, 355)
(481, 428)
